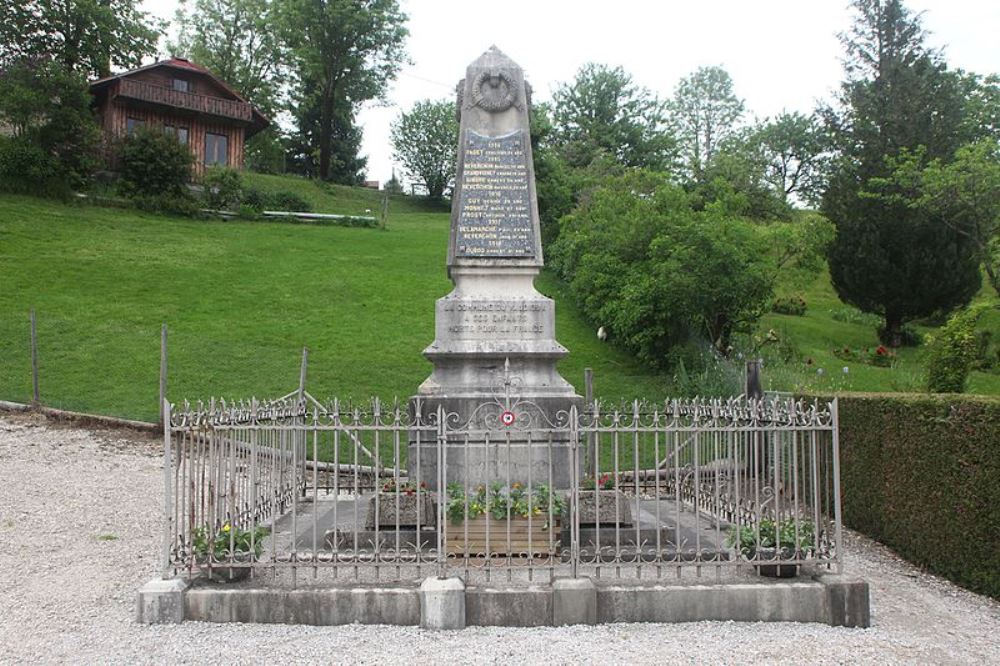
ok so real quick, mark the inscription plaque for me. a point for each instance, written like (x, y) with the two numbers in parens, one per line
(494, 211)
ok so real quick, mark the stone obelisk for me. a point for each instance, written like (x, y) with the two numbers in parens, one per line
(495, 351)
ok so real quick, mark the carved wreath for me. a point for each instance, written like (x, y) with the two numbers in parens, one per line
(494, 92)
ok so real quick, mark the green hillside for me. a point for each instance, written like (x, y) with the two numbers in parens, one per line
(242, 298)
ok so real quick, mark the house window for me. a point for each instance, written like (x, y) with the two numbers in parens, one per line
(132, 123)
(180, 132)
(182, 85)
(216, 149)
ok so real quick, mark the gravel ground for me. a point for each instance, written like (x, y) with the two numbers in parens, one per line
(78, 537)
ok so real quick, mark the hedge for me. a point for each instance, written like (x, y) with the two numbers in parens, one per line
(921, 474)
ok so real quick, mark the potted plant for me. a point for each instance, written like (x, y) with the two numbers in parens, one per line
(216, 552)
(401, 503)
(503, 521)
(602, 503)
(771, 541)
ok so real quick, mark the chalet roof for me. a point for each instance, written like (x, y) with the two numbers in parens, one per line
(259, 119)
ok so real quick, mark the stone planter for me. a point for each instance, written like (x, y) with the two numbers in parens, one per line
(505, 538)
(605, 507)
(774, 570)
(410, 508)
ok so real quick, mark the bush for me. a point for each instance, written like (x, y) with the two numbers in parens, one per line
(260, 200)
(907, 336)
(223, 188)
(153, 165)
(27, 169)
(953, 352)
(183, 204)
(921, 474)
(789, 305)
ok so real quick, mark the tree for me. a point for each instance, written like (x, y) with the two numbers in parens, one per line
(48, 106)
(345, 164)
(963, 194)
(890, 258)
(236, 40)
(704, 112)
(602, 112)
(654, 271)
(425, 141)
(87, 36)
(793, 147)
(344, 52)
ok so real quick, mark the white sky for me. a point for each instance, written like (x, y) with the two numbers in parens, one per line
(782, 54)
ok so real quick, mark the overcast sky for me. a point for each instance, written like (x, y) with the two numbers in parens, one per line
(782, 54)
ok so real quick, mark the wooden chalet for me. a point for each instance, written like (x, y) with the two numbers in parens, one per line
(184, 99)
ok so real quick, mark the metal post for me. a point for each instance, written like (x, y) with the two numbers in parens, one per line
(168, 500)
(302, 373)
(835, 407)
(588, 392)
(163, 374)
(36, 400)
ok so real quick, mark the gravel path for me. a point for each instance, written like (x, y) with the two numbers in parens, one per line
(78, 536)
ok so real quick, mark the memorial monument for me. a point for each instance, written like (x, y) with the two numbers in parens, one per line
(495, 350)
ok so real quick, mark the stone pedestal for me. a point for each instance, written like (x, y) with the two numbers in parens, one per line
(495, 350)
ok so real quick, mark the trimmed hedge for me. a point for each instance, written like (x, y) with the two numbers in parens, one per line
(921, 474)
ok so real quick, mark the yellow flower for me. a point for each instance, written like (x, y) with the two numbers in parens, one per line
(225, 528)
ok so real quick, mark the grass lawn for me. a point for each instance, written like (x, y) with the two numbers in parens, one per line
(241, 299)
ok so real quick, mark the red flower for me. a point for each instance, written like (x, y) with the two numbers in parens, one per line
(881, 351)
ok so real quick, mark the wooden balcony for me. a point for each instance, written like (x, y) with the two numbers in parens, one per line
(212, 106)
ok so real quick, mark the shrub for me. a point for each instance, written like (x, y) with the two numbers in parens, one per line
(953, 352)
(153, 164)
(906, 337)
(880, 356)
(182, 204)
(223, 188)
(279, 200)
(27, 169)
(921, 474)
(789, 305)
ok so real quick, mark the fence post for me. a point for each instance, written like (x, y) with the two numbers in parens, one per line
(163, 374)
(302, 373)
(35, 398)
(168, 498)
(588, 393)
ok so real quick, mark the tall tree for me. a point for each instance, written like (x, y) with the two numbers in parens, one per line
(344, 52)
(87, 36)
(345, 164)
(890, 258)
(705, 111)
(793, 147)
(425, 141)
(602, 112)
(236, 40)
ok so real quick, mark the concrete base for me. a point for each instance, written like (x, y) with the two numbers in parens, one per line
(442, 604)
(447, 604)
(574, 601)
(161, 601)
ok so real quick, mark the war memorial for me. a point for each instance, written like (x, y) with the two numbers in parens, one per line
(497, 495)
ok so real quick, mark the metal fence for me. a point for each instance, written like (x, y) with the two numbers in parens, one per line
(288, 487)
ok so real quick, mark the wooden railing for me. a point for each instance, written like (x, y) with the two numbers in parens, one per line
(215, 106)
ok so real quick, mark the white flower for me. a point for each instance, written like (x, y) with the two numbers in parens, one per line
(846, 370)
(819, 371)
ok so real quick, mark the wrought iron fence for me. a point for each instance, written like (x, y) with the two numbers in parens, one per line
(334, 490)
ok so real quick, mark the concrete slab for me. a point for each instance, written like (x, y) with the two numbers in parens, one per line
(529, 606)
(574, 601)
(161, 601)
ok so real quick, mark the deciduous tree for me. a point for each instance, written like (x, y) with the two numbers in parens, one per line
(704, 112)
(425, 140)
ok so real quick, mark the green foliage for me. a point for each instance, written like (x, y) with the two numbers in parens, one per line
(236, 41)
(704, 111)
(500, 502)
(425, 141)
(153, 164)
(227, 542)
(48, 106)
(789, 305)
(651, 269)
(890, 258)
(603, 113)
(603, 482)
(343, 53)
(223, 188)
(879, 356)
(265, 151)
(953, 352)
(260, 200)
(788, 534)
(794, 150)
(27, 169)
(922, 476)
(86, 36)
